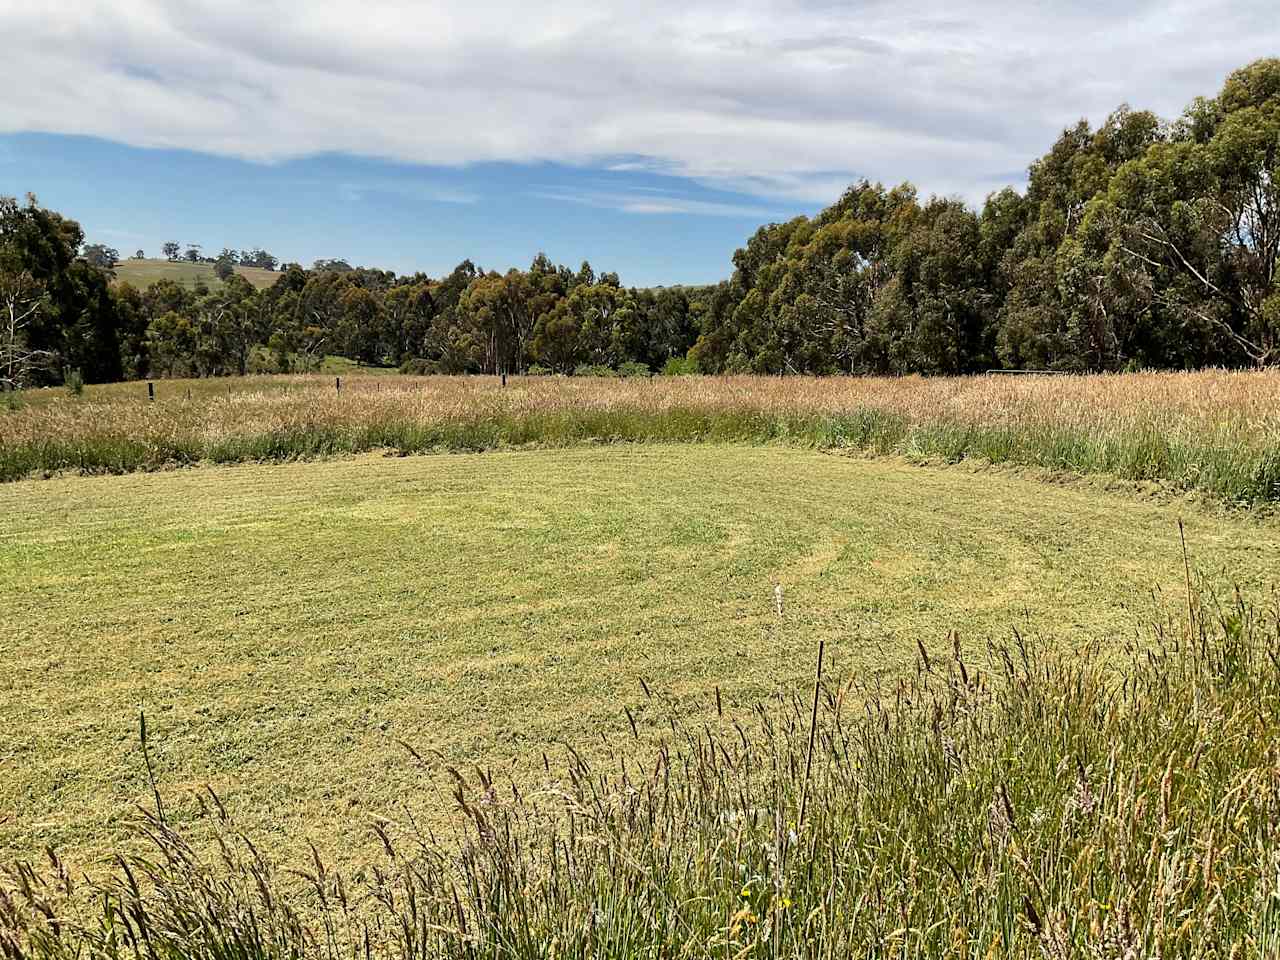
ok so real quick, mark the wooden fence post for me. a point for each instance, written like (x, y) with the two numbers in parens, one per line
(337, 384)
(151, 391)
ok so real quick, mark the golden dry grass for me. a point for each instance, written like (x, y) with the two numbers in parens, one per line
(1216, 432)
(143, 273)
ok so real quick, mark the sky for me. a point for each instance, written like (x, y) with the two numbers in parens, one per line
(650, 138)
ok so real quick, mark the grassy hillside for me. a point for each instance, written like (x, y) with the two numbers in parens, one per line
(143, 273)
(284, 626)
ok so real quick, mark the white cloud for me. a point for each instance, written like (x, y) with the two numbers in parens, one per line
(788, 99)
(357, 192)
(651, 201)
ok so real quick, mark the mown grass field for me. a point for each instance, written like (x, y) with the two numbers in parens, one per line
(283, 626)
(143, 273)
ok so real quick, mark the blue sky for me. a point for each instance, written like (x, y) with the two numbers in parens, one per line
(651, 228)
(651, 139)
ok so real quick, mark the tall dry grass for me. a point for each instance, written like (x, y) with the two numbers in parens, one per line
(1027, 805)
(1216, 432)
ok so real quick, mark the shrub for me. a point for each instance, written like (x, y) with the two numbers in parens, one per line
(594, 370)
(537, 370)
(417, 367)
(264, 360)
(73, 381)
(634, 369)
(680, 367)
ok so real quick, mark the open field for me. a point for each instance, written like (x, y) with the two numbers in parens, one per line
(1025, 804)
(288, 627)
(203, 389)
(143, 273)
(284, 625)
(1214, 433)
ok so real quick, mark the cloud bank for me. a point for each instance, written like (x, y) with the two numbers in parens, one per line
(785, 100)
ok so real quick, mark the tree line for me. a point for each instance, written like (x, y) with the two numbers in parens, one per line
(101, 255)
(69, 315)
(174, 252)
(1139, 244)
(1143, 243)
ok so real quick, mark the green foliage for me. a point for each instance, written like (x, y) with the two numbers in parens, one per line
(633, 369)
(417, 367)
(594, 370)
(679, 367)
(55, 308)
(73, 381)
(204, 334)
(1189, 226)
(1136, 244)
(224, 268)
(101, 255)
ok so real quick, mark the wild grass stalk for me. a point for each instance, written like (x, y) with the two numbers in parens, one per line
(1213, 432)
(1025, 804)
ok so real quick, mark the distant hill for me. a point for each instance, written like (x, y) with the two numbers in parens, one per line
(143, 273)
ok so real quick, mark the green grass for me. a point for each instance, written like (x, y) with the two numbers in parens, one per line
(345, 366)
(285, 625)
(143, 273)
(1025, 802)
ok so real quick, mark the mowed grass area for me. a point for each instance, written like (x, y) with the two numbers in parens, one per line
(143, 273)
(285, 625)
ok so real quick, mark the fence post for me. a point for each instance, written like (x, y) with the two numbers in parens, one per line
(337, 384)
(504, 378)
(151, 391)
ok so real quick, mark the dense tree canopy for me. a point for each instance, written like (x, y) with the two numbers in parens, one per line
(1141, 243)
(56, 309)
